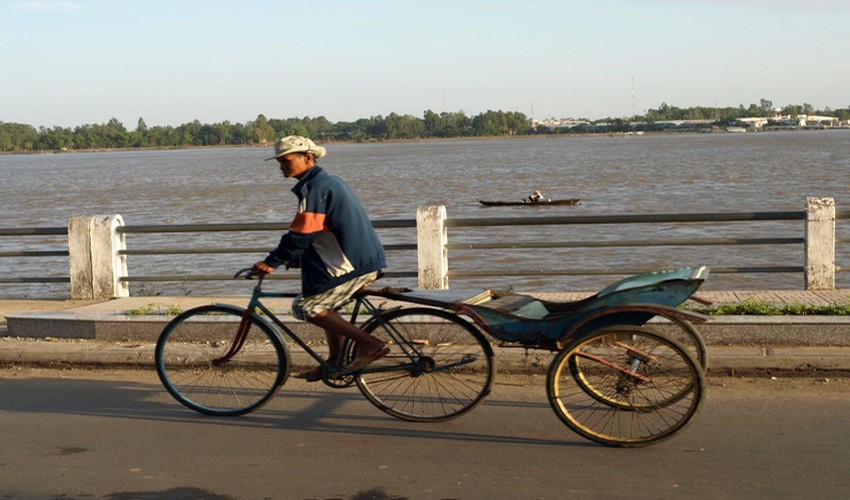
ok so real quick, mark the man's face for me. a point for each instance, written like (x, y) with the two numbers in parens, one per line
(296, 164)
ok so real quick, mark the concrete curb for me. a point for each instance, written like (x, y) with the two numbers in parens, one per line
(723, 360)
(102, 334)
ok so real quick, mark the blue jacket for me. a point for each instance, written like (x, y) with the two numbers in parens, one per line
(331, 237)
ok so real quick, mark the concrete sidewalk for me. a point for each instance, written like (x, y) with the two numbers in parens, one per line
(102, 333)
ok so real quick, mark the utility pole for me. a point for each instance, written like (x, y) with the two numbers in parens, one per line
(633, 98)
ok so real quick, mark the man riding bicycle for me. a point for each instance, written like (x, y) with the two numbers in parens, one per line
(334, 244)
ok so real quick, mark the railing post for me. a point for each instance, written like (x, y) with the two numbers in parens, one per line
(820, 243)
(431, 239)
(96, 266)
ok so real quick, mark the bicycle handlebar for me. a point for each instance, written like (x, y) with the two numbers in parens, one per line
(246, 273)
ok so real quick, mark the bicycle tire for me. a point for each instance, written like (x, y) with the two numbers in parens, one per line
(627, 408)
(439, 367)
(679, 330)
(687, 335)
(189, 361)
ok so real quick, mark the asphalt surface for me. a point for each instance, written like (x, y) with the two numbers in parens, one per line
(117, 434)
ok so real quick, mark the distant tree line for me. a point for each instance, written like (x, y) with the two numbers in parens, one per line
(113, 134)
(16, 137)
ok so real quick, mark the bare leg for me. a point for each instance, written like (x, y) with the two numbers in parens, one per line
(334, 346)
(337, 327)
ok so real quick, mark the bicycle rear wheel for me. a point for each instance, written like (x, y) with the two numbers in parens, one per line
(687, 335)
(204, 362)
(439, 366)
(645, 386)
(679, 330)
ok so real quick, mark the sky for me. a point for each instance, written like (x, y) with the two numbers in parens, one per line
(169, 62)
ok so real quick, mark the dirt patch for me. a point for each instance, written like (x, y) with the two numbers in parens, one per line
(769, 386)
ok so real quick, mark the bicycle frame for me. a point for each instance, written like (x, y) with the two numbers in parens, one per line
(361, 304)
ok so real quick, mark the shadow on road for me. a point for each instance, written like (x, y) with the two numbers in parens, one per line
(300, 408)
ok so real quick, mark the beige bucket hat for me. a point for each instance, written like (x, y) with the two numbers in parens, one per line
(296, 144)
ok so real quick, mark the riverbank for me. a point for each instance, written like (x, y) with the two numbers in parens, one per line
(430, 139)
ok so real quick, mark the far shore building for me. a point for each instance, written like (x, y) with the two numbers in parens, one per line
(799, 121)
(553, 124)
(819, 121)
(755, 123)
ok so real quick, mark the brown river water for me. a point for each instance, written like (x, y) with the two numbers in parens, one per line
(689, 173)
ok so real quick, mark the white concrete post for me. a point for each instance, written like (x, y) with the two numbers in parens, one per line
(820, 243)
(96, 266)
(431, 239)
(79, 248)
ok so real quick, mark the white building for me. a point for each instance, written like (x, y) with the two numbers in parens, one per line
(817, 121)
(754, 122)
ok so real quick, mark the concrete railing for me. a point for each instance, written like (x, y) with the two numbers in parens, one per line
(819, 237)
(98, 251)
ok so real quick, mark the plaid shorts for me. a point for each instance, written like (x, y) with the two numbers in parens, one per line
(312, 306)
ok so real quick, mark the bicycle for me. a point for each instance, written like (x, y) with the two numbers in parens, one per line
(227, 360)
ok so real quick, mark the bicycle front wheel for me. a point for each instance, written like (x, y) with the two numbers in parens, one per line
(439, 366)
(645, 386)
(219, 361)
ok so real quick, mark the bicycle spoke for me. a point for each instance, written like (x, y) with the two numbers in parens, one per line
(593, 390)
(205, 367)
(448, 371)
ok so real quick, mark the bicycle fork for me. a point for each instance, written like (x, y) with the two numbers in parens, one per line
(239, 339)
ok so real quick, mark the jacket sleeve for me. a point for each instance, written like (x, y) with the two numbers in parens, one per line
(305, 227)
(290, 248)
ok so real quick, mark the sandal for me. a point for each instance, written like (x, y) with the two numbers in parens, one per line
(313, 375)
(364, 360)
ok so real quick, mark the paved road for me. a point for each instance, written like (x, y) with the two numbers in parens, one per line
(117, 434)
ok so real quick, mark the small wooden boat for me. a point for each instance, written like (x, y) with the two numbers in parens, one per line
(572, 201)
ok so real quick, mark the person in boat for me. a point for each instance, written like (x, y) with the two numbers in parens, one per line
(535, 197)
